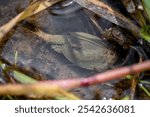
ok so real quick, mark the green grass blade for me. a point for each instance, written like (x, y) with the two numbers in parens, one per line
(22, 78)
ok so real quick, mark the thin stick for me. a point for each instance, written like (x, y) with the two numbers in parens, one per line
(42, 87)
(102, 77)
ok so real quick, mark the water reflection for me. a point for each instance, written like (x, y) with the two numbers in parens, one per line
(66, 7)
(38, 55)
(33, 53)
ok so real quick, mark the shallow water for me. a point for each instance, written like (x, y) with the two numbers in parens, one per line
(38, 54)
(35, 55)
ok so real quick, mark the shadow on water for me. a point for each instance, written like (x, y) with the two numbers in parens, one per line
(37, 56)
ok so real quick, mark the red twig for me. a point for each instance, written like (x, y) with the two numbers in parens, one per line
(53, 88)
(102, 77)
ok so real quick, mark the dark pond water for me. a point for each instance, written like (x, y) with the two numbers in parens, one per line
(37, 56)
